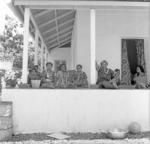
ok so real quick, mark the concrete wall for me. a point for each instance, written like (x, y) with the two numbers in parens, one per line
(61, 54)
(77, 110)
(114, 24)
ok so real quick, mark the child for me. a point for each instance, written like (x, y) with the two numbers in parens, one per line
(115, 81)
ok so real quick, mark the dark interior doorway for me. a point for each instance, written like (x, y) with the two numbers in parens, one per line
(134, 56)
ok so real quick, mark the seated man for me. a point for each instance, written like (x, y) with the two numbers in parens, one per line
(48, 77)
(80, 79)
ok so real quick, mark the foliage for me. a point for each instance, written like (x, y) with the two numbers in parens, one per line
(12, 78)
(12, 43)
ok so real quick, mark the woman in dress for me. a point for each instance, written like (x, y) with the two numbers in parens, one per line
(104, 75)
(80, 79)
(62, 77)
(48, 77)
(140, 78)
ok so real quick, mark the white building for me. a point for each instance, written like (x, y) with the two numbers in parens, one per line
(81, 32)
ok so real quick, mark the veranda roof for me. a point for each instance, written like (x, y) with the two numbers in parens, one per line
(55, 25)
(55, 19)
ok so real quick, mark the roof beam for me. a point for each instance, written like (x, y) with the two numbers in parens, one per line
(60, 42)
(53, 20)
(41, 13)
(65, 42)
(63, 31)
(66, 34)
(57, 30)
(76, 4)
(66, 22)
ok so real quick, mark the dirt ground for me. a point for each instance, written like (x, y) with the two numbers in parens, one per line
(73, 136)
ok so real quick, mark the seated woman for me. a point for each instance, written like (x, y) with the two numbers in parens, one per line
(80, 79)
(140, 78)
(104, 75)
(48, 77)
(62, 77)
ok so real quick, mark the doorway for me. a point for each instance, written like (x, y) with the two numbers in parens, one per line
(132, 56)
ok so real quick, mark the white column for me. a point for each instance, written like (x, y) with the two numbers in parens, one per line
(36, 41)
(45, 57)
(42, 50)
(25, 45)
(93, 45)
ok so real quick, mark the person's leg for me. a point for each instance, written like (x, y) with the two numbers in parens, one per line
(108, 85)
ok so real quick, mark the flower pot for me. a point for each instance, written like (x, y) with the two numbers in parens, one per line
(35, 83)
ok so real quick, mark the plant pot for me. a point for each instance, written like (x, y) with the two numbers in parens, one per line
(35, 83)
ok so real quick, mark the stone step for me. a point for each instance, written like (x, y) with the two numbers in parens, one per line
(6, 134)
(6, 122)
(5, 109)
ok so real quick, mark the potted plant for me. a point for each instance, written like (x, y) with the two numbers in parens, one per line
(35, 80)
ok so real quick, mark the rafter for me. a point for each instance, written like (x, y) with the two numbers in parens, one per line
(66, 34)
(53, 20)
(65, 42)
(57, 30)
(66, 22)
(63, 31)
(42, 13)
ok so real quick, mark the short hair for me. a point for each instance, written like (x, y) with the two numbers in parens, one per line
(79, 65)
(62, 65)
(104, 61)
(117, 70)
(49, 63)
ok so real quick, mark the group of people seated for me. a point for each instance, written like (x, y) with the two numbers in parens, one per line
(110, 79)
(64, 78)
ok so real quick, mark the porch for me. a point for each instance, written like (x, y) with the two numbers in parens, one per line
(65, 30)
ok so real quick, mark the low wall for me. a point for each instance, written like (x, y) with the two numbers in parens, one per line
(77, 110)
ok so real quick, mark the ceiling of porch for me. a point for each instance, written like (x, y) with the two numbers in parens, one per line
(55, 26)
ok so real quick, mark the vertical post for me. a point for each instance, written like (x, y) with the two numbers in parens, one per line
(93, 45)
(42, 50)
(36, 41)
(25, 45)
(45, 57)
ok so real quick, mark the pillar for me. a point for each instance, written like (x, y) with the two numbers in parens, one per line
(36, 41)
(93, 45)
(25, 45)
(42, 56)
(81, 43)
